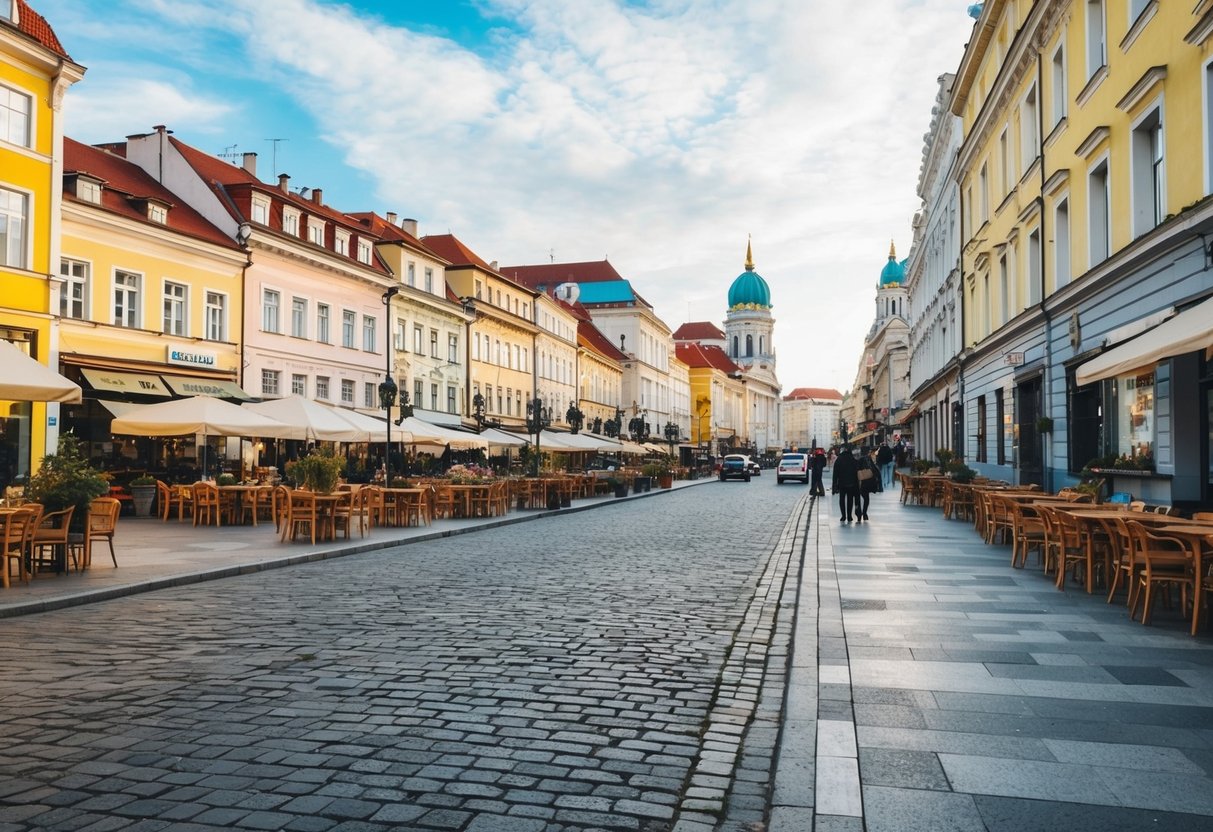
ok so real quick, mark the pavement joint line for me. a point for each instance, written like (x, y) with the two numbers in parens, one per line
(236, 569)
(750, 654)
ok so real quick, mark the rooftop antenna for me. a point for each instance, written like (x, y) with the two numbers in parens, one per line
(231, 154)
(551, 255)
(274, 157)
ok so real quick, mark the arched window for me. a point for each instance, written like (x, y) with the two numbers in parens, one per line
(749, 346)
(761, 351)
(735, 353)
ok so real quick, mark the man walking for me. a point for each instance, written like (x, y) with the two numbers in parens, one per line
(817, 464)
(884, 458)
(845, 483)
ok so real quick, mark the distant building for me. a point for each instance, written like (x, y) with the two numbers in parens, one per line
(810, 417)
(881, 386)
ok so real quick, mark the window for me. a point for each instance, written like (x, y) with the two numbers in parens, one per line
(475, 347)
(1004, 290)
(1098, 230)
(174, 308)
(981, 428)
(524, 360)
(429, 280)
(1029, 129)
(322, 323)
(434, 397)
(126, 299)
(88, 190)
(452, 349)
(1149, 173)
(1008, 164)
(735, 353)
(341, 242)
(488, 351)
(412, 274)
(450, 399)
(299, 317)
(398, 340)
(364, 252)
(270, 302)
(370, 399)
(749, 345)
(298, 384)
(270, 382)
(157, 213)
(369, 341)
(348, 324)
(479, 289)
(215, 317)
(1136, 7)
(322, 387)
(1085, 422)
(14, 217)
(1061, 244)
(290, 221)
(418, 393)
(1034, 288)
(261, 210)
(509, 401)
(419, 339)
(1060, 90)
(517, 357)
(347, 391)
(15, 108)
(315, 231)
(1000, 432)
(984, 196)
(1134, 397)
(433, 343)
(73, 297)
(1097, 33)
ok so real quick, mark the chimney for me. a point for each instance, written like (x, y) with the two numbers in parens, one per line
(317, 196)
(493, 265)
(409, 226)
(391, 217)
(249, 163)
(284, 183)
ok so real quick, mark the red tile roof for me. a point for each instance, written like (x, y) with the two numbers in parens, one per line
(697, 355)
(813, 393)
(34, 26)
(591, 337)
(451, 248)
(125, 182)
(388, 232)
(550, 275)
(699, 331)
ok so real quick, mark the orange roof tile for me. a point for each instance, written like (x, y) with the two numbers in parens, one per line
(813, 393)
(591, 337)
(698, 356)
(34, 26)
(550, 275)
(699, 331)
(389, 232)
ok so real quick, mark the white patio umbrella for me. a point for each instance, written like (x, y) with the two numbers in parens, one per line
(22, 379)
(311, 419)
(369, 428)
(501, 438)
(425, 433)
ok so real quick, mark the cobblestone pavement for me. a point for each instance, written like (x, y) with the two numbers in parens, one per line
(603, 670)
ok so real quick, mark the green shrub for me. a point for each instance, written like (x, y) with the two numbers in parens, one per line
(66, 479)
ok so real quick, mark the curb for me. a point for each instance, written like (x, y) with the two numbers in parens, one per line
(233, 570)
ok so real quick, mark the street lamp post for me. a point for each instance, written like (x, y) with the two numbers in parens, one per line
(574, 417)
(538, 417)
(387, 388)
(672, 433)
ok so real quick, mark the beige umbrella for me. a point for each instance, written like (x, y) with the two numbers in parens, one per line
(311, 420)
(22, 379)
(425, 433)
(369, 428)
(197, 414)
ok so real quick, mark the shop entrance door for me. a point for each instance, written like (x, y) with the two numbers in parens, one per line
(1031, 443)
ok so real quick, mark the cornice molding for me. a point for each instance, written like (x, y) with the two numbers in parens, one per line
(1094, 83)
(1056, 182)
(1139, 25)
(1200, 33)
(1152, 77)
(1094, 140)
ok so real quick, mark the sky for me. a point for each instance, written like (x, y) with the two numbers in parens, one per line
(659, 134)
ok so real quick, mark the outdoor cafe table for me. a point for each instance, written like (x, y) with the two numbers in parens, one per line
(1089, 517)
(399, 498)
(1201, 536)
(466, 493)
(240, 494)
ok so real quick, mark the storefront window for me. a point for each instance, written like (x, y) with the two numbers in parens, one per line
(1135, 412)
(15, 423)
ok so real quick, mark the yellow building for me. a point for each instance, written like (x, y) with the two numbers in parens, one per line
(502, 340)
(1084, 178)
(717, 397)
(150, 301)
(35, 72)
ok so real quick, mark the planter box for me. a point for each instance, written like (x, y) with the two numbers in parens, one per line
(665, 480)
(621, 490)
(143, 496)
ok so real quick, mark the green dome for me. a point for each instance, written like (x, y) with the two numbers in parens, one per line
(749, 289)
(893, 273)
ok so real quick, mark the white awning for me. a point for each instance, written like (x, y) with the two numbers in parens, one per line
(141, 383)
(424, 433)
(502, 439)
(24, 379)
(1188, 331)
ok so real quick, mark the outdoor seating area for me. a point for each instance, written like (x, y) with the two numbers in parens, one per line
(1140, 555)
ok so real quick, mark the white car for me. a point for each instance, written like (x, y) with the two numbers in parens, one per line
(793, 467)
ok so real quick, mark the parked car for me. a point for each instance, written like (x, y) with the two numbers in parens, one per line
(734, 467)
(793, 467)
(755, 468)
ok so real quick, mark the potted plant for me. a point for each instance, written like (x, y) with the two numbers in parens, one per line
(1044, 425)
(143, 494)
(618, 486)
(225, 479)
(662, 472)
(959, 472)
(66, 479)
(317, 472)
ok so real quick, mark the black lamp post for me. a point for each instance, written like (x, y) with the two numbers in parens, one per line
(596, 425)
(538, 417)
(639, 427)
(672, 433)
(387, 388)
(574, 417)
(478, 411)
(613, 427)
(406, 408)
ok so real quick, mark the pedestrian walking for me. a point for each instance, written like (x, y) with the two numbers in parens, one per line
(884, 458)
(845, 483)
(868, 474)
(818, 465)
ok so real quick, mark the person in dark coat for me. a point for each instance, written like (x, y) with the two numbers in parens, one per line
(867, 487)
(884, 459)
(817, 464)
(845, 483)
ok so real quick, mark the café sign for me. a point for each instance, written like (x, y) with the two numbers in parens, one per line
(190, 357)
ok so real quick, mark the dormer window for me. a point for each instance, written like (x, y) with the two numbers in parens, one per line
(157, 212)
(261, 209)
(88, 190)
(315, 231)
(290, 221)
(341, 242)
(364, 252)
(8, 10)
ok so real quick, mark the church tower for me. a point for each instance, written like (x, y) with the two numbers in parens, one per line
(748, 324)
(891, 295)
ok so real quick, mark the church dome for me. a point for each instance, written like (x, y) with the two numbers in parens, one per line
(749, 290)
(893, 273)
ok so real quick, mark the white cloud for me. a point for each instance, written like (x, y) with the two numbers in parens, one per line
(659, 133)
(118, 103)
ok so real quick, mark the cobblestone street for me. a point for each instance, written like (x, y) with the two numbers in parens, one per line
(586, 671)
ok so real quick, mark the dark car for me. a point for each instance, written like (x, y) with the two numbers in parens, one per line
(734, 467)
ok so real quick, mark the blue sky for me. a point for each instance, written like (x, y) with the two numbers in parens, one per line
(659, 134)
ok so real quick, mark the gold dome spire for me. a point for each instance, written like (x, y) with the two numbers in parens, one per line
(892, 251)
(749, 255)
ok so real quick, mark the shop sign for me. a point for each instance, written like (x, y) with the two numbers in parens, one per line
(145, 385)
(1014, 359)
(189, 357)
(186, 386)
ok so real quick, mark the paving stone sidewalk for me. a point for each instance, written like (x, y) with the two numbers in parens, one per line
(944, 690)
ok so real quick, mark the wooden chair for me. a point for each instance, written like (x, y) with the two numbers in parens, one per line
(1071, 549)
(206, 503)
(101, 523)
(16, 535)
(1137, 505)
(1203, 515)
(501, 497)
(480, 501)
(1166, 562)
(1027, 532)
(301, 515)
(416, 508)
(255, 502)
(998, 520)
(442, 501)
(52, 534)
(375, 506)
(344, 515)
(168, 496)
